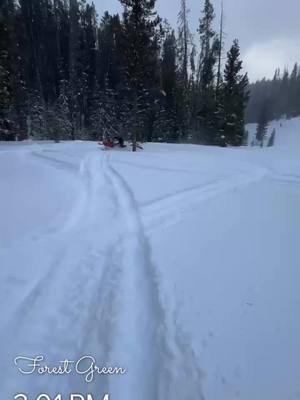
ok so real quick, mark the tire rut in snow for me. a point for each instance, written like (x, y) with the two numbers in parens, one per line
(159, 362)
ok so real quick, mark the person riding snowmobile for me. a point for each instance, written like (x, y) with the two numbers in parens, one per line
(120, 141)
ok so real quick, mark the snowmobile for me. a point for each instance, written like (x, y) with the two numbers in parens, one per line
(117, 142)
(109, 143)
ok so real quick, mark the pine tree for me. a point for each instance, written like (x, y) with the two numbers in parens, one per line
(110, 114)
(96, 131)
(140, 49)
(293, 92)
(271, 141)
(109, 61)
(4, 93)
(209, 45)
(184, 38)
(283, 98)
(63, 126)
(220, 50)
(62, 17)
(169, 87)
(168, 68)
(5, 69)
(193, 95)
(78, 78)
(262, 126)
(246, 138)
(37, 117)
(19, 88)
(234, 98)
(184, 44)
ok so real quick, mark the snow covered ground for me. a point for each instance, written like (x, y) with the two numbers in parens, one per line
(179, 263)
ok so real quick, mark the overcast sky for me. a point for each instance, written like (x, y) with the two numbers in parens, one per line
(268, 30)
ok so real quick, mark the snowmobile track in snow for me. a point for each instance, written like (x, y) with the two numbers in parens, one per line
(113, 289)
(168, 209)
(156, 348)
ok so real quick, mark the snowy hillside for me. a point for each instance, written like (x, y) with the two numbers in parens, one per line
(179, 263)
(287, 133)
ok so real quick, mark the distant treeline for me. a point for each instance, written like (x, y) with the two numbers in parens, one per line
(65, 74)
(280, 96)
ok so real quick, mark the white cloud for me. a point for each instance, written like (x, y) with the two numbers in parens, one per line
(261, 59)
